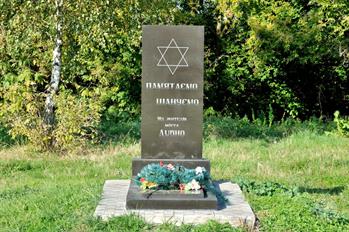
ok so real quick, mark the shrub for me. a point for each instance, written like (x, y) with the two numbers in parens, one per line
(75, 122)
(342, 124)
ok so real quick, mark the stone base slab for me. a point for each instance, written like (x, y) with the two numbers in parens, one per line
(139, 163)
(236, 211)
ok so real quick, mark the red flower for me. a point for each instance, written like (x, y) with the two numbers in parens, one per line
(161, 163)
(142, 179)
(181, 187)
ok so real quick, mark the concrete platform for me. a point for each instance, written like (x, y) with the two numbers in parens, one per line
(236, 211)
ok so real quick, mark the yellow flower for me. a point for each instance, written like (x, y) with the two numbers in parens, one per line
(148, 185)
(151, 185)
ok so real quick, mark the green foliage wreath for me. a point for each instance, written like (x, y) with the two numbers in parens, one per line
(175, 177)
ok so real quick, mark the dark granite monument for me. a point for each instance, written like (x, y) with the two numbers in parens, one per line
(172, 111)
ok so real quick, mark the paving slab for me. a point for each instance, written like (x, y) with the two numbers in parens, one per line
(235, 211)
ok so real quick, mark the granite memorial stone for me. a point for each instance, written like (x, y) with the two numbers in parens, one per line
(172, 107)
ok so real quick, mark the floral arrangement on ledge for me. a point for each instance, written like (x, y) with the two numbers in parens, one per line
(160, 176)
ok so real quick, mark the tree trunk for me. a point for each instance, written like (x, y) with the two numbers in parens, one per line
(52, 89)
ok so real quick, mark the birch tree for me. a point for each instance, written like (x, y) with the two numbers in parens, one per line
(52, 89)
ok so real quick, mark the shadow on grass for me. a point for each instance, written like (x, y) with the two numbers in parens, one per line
(220, 128)
(124, 132)
(331, 191)
(269, 188)
(236, 128)
(128, 132)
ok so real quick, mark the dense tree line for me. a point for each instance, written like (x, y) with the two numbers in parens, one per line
(285, 58)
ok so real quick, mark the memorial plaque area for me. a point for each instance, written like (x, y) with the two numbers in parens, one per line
(172, 92)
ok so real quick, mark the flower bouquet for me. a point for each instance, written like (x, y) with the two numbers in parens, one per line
(160, 176)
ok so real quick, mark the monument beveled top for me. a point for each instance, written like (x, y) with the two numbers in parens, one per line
(172, 92)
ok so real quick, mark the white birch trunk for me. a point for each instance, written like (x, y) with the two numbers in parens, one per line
(56, 68)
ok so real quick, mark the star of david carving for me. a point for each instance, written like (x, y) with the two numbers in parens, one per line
(174, 65)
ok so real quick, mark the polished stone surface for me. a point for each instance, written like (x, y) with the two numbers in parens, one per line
(236, 211)
(172, 92)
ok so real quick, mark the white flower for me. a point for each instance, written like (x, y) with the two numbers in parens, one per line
(199, 170)
(170, 167)
(193, 185)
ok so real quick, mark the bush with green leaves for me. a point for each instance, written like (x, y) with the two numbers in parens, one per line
(100, 65)
(76, 120)
(292, 55)
(276, 58)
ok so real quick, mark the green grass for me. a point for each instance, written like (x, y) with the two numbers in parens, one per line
(294, 175)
